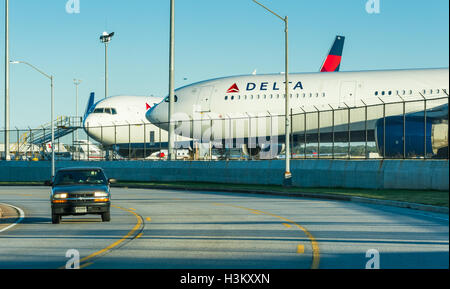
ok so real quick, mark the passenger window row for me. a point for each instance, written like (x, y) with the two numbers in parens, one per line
(273, 96)
(408, 92)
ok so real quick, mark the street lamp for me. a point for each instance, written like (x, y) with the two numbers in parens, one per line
(52, 108)
(287, 174)
(106, 38)
(7, 157)
(171, 80)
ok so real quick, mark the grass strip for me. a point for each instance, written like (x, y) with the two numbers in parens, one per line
(434, 198)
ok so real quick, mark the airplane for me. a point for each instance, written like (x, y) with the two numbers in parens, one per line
(248, 110)
(119, 121)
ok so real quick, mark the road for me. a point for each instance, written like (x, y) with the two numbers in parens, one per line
(158, 229)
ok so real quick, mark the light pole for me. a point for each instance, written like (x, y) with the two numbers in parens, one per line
(76, 82)
(171, 80)
(7, 157)
(106, 38)
(287, 174)
(52, 108)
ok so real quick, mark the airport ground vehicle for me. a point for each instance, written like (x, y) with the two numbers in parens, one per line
(80, 191)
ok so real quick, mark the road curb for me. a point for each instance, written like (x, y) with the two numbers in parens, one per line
(10, 215)
(8, 211)
(413, 206)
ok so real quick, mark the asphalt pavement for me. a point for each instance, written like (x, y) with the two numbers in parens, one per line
(169, 229)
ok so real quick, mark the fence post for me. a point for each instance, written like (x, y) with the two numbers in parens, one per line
(129, 141)
(31, 145)
(160, 148)
(101, 136)
(365, 130)
(271, 136)
(332, 131)
(249, 138)
(348, 130)
(291, 136)
(448, 128)
(210, 137)
(18, 142)
(88, 149)
(404, 128)
(115, 140)
(425, 128)
(384, 127)
(318, 132)
(304, 133)
(73, 141)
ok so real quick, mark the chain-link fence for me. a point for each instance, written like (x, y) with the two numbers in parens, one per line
(406, 129)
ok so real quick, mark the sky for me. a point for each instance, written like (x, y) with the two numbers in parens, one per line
(212, 39)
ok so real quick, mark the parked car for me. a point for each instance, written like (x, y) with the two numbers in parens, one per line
(80, 191)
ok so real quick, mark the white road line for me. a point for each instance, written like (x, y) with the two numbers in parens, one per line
(22, 216)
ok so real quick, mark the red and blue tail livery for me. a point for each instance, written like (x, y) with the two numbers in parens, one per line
(333, 61)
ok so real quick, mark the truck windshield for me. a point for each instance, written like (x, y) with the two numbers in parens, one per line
(80, 177)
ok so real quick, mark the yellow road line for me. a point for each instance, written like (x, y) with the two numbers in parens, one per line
(314, 243)
(255, 212)
(115, 244)
(85, 265)
(287, 225)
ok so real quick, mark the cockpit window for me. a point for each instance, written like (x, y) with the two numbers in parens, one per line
(107, 110)
(175, 99)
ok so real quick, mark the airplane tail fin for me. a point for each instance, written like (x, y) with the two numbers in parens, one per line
(90, 104)
(334, 57)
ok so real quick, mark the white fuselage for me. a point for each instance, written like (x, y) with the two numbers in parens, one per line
(121, 120)
(224, 106)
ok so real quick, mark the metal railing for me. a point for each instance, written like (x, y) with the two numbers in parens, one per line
(409, 128)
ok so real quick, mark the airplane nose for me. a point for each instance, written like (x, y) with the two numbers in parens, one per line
(91, 121)
(88, 121)
(156, 114)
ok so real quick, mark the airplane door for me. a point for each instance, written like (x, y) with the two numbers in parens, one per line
(348, 93)
(204, 98)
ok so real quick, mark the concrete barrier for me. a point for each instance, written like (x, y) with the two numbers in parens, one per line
(365, 174)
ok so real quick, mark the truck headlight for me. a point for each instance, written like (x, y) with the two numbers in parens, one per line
(60, 196)
(100, 194)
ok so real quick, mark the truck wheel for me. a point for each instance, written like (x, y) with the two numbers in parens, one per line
(56, 219)
(106, 217)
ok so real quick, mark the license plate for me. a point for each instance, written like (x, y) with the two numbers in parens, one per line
(80, 210)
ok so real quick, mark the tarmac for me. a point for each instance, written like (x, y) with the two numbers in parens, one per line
(9, 215)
